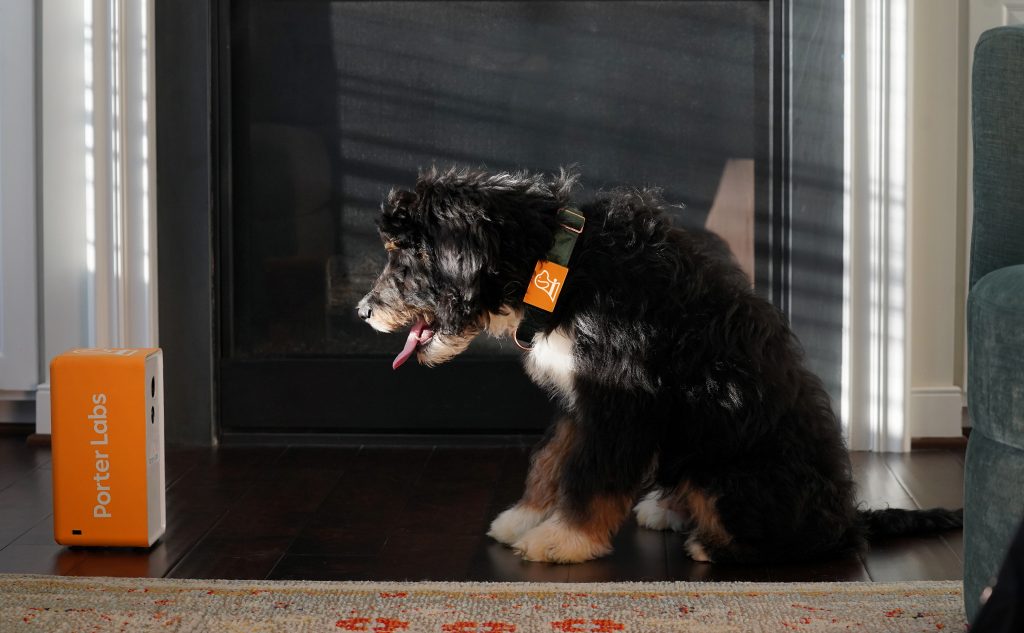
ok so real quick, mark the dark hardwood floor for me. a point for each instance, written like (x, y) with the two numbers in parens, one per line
(416, 513)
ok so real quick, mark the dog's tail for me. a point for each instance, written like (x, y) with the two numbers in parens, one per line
(897, 522)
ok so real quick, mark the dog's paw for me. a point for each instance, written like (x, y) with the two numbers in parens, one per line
(509, 526)
(696, 550)
(653, 516)
(553, 541)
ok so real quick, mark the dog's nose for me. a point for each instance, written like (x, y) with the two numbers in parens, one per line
(364, 312)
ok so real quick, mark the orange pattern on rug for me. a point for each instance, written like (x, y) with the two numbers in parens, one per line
(51, 603)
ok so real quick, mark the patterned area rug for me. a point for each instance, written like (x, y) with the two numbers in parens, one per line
(49, 603)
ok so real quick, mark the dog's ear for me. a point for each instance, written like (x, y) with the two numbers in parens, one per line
(464, 249)
(399, 224)
(464, 243)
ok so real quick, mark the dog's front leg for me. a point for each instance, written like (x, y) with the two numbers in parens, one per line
(576, 535)
(599, 478)
(541, 492)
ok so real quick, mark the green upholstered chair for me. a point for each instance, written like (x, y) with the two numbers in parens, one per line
(994, 479)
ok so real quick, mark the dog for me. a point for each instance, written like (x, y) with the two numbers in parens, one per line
(677, 385)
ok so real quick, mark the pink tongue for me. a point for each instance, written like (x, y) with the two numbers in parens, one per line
(416, 336)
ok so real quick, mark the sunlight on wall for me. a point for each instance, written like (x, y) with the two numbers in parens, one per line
(117, 207)
(143, 167)
(894, 217)
(120, 302)
(90, 172)
(874, 396)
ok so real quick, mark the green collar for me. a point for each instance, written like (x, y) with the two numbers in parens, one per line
(549, 277)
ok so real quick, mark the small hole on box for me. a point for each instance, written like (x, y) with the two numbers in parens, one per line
(152, 415)
(152, 386)
(76, 532)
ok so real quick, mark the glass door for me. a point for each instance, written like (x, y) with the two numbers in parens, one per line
(326, 105)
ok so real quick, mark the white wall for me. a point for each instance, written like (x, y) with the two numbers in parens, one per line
(944, 33)
(98, 262)
(19, 354)
(937, 195)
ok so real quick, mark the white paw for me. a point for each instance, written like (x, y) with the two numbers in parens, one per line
(697, 551)
(555, 542)
(513, 523)
(653, 516)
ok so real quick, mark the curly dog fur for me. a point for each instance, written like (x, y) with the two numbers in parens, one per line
(678, 385)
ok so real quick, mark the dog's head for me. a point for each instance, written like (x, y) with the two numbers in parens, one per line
(461, 247)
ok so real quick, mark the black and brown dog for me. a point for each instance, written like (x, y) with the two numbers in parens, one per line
(678, 384)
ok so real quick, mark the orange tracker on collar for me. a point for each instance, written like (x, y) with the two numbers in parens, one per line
(546, 283)
(549, 277)
(107, 434)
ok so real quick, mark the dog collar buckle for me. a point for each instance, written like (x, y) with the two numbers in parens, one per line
(576, 225)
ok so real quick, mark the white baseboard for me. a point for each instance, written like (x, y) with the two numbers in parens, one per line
(936, 412)
(43, 409)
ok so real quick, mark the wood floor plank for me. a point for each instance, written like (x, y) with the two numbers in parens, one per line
(917, 558)
(17, 459)
(39, 534)
(415, 514)
(123, 562)
(48, 558)
(24, 504)
(179, 461)
(877, 487)
(934, 479)
(365, 506)
(494, 562)
(508, 488)
(261, 507)
(317, 457)
(302, 567)
(454, 492)
(442, 526)
(184, 531)
(414, 555)
(927, 479)
(252, 559)
(31, 493)
(955, 541)
(255, 533)
(281, 506)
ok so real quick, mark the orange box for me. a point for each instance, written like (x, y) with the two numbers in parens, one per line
(107, 431)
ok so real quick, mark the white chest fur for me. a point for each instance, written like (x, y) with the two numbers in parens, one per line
(550, 362)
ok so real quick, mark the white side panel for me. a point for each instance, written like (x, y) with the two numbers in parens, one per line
(19, 341)
(155, 456)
